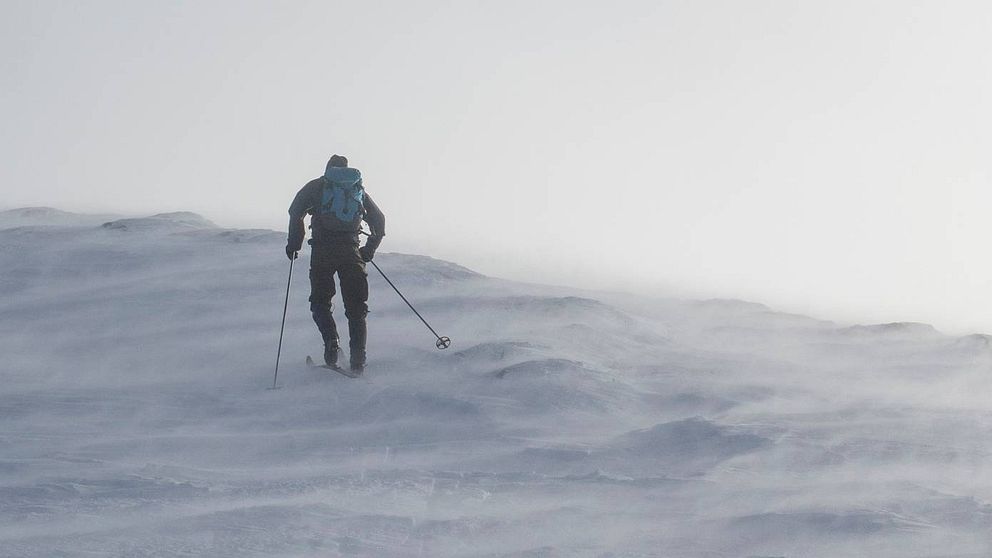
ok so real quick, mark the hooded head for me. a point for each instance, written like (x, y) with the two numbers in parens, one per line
(339, 161)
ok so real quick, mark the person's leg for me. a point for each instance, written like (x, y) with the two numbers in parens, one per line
(321, 293)
(355, 292)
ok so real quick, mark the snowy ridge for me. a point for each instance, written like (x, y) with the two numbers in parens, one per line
(181, 220)
(47, 216)
(134, 418)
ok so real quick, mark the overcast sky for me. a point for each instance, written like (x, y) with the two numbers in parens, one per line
(829, 158)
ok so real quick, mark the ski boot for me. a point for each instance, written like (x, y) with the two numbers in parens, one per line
(357, 332)
(331, 353)
(328, 332)
(358, 363)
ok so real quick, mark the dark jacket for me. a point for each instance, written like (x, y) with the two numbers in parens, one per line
(308, 198)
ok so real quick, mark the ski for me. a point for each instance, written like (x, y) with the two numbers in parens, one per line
(312, 364)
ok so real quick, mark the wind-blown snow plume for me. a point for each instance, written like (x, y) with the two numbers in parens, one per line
(134, 419)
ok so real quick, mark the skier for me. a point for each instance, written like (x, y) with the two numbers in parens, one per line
(338, 204)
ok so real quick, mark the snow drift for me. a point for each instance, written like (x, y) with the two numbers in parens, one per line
(134, 419)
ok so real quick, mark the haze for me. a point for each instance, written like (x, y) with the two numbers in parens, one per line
(825, 158)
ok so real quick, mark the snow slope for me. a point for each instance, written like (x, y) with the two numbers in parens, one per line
(135, 420)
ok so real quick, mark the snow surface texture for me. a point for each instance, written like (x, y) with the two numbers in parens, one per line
(135, 420)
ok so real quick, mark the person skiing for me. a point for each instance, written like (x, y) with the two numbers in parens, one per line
(337, 203)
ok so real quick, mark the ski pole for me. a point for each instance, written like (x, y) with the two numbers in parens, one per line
(442, 342)
(282, 327)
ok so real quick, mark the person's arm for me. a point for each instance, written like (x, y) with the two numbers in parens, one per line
(302, 203)
(377, 228)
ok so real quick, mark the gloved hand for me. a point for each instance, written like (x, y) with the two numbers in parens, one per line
(292, 252)
(367, 252)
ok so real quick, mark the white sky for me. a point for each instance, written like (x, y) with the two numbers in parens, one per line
(829, 158)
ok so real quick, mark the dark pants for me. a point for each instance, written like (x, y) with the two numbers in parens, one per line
(342, 258)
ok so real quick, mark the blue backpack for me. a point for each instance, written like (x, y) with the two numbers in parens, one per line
(341, 207)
